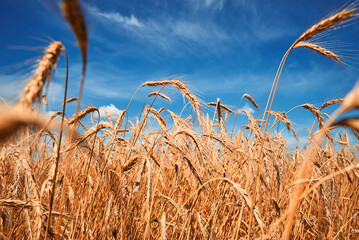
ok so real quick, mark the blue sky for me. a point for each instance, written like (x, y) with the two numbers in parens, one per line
(222, 48)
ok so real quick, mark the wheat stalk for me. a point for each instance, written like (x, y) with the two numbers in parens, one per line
(73, 14)
(163, 226)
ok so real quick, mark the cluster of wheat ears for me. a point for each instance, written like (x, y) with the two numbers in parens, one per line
(164, 176)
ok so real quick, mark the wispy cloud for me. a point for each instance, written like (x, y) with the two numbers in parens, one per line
(115, 17)
(190, 31)
(166, 32)
(214, 4)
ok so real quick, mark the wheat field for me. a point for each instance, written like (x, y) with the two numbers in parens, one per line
(169, 176)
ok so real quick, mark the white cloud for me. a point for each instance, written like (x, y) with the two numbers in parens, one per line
(246, 108)
(112, 110)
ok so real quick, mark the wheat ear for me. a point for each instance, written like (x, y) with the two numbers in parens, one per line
(319, 49)
(182, 88)
(223, 107)
(251, 100)
(331, 102)
(316, 112)
(160, 95)
(46, 65)
(78, 116)
(326, 24)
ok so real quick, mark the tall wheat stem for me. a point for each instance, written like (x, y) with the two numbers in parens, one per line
(58, 148)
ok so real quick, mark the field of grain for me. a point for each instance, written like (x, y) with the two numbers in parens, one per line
(169, 176)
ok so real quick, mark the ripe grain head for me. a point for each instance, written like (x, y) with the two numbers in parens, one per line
(46, 65)
(327, 23)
